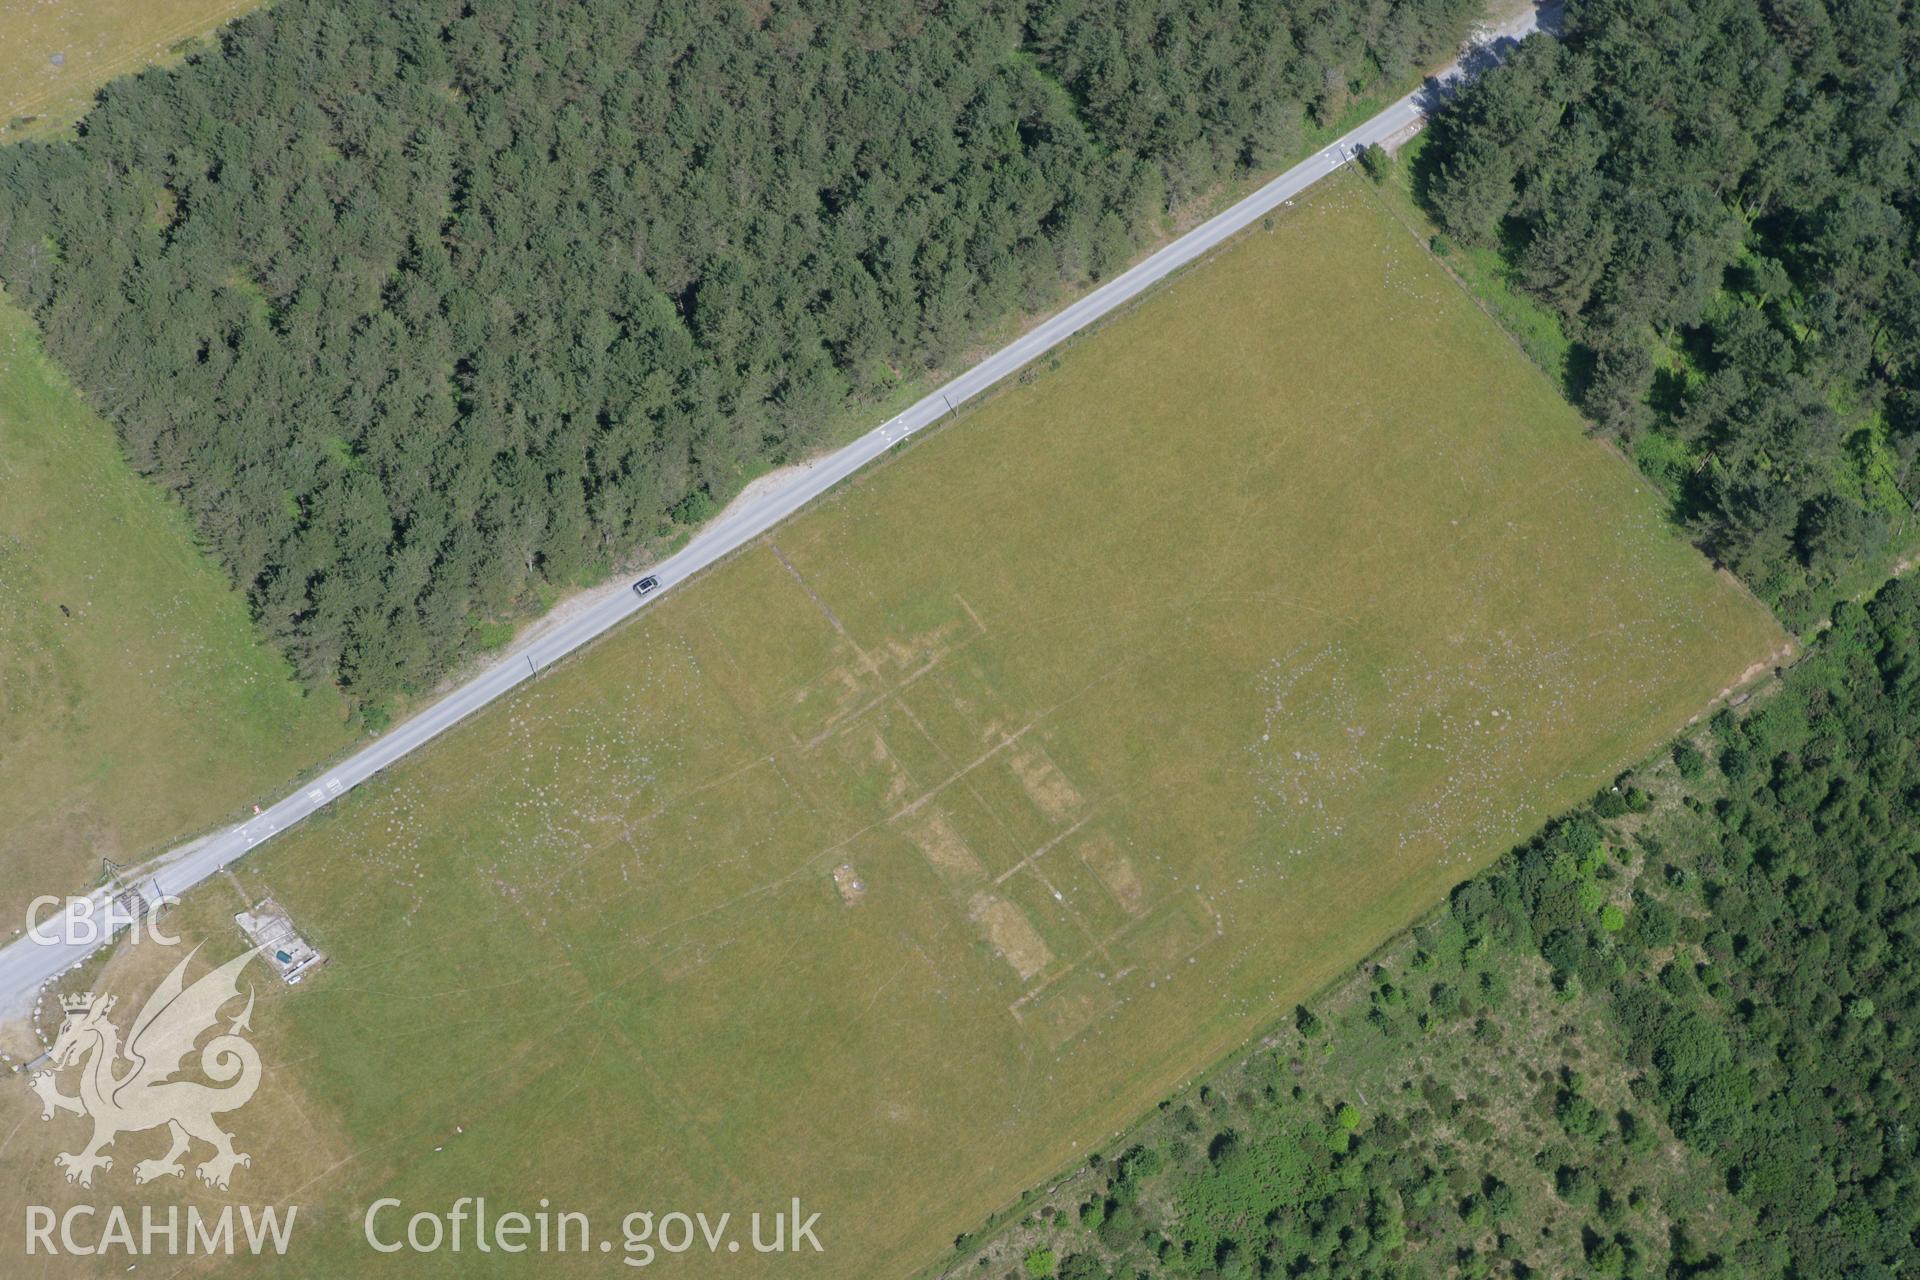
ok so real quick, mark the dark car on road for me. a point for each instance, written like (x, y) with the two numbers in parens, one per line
(646, 586)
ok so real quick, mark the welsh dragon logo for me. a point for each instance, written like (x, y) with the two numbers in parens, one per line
(130, 1088)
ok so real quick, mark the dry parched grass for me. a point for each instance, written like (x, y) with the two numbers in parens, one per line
(1197, 667)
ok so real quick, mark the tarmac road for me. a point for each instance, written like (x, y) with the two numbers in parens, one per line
(27, 963)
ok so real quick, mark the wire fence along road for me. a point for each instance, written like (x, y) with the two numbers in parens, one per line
(26, 964)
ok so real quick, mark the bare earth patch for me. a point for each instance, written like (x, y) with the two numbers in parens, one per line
(1011, 934)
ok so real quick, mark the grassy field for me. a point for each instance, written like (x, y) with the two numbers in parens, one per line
(56, 54)
(1482, 271)
(148, 708)
(922, 845)
(1467, 1087)
(1665, 460)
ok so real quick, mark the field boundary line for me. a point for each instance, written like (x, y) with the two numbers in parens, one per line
(825, 610)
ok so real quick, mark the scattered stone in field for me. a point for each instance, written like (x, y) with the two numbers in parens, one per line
(852, 888)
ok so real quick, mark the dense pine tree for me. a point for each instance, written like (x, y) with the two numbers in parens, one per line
(418, 305)
(1721, 199)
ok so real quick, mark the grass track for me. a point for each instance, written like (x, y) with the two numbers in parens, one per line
(1142, 701)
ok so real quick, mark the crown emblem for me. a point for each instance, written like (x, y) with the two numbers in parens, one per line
(82, 1003)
